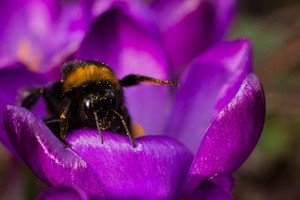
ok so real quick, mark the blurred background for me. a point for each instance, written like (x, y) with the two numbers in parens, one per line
(273, 170)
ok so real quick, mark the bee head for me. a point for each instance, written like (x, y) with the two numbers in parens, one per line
(100, 103)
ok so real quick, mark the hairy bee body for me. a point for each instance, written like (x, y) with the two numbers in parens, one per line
(88, 95)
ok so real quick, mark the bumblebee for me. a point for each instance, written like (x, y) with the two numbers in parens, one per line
(88, 95)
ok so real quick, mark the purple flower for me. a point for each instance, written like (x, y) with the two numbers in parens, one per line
(212, 122)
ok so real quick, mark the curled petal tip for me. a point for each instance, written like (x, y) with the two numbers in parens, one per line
(233, 134)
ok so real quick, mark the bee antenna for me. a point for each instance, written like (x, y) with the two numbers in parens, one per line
(126, 128)
(135, 79)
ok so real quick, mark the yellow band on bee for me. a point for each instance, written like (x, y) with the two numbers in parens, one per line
(89, 73)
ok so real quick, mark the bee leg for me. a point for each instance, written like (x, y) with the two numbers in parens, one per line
(51, 121)
(64, 124)
(30, 97)
(135, 79)
(126, 128)
(98, 127)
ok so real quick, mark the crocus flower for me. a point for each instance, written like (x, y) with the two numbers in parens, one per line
(212, 122)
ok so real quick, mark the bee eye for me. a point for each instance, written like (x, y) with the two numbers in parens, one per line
(109, 98)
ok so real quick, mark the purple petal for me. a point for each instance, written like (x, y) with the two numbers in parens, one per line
(119, 41)
(5, 59)
(231, 137)
(65, 192)
(209, 191)
(13, 79)
(133, 8)
(156, 167)
(225, 11)
(50, 30)
(46, 156)
(209, 84)
(189, 27)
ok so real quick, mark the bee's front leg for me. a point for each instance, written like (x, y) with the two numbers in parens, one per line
(64, 123)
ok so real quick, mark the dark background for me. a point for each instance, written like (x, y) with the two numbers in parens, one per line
(273, 170)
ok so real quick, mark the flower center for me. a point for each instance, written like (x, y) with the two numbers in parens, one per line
(137, 130)
(28, 55)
